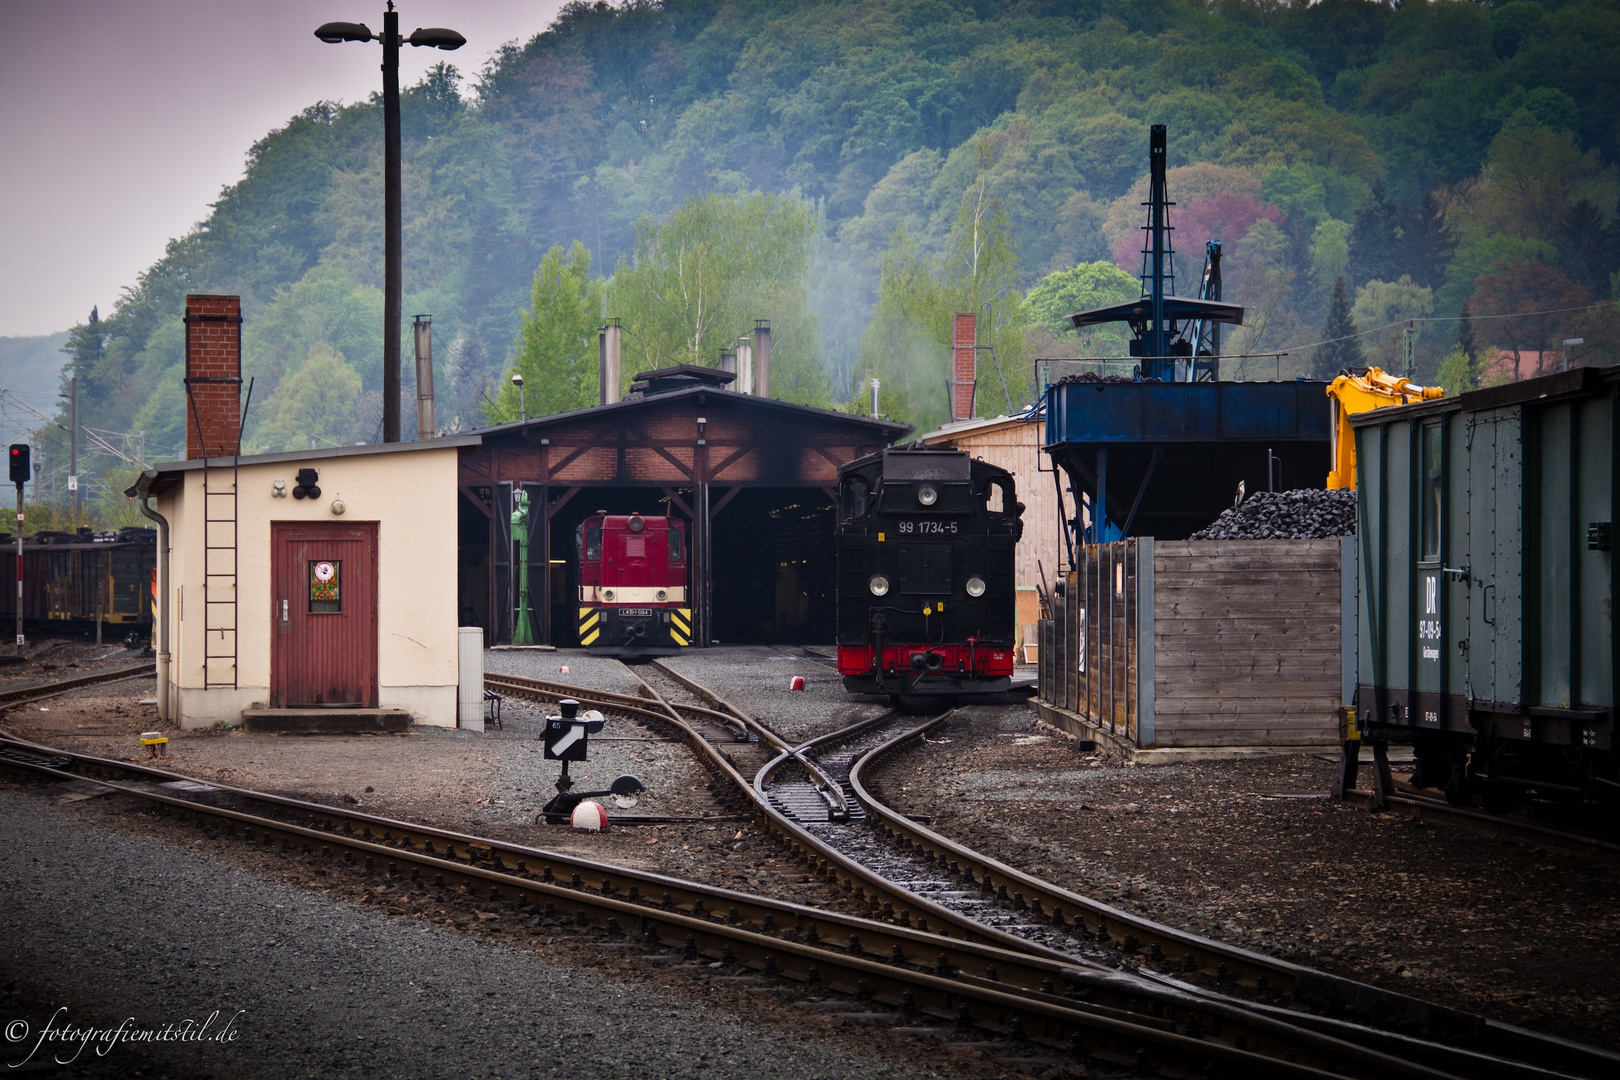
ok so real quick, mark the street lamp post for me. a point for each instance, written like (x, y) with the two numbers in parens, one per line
(393, 228)
(523, 409)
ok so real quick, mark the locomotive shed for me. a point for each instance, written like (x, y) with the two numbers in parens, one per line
(753, 479)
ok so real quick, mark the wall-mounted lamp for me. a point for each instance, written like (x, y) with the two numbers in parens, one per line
(278, 490)
(338, 507)
(702, 422)
(308, 485)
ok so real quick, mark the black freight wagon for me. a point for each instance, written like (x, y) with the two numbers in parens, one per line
(72, 579)
(1486, 621)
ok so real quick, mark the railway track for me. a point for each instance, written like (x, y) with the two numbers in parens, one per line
(38, 692)
(1115, 1011)
(911, 875)
(1423, 805)
(927, 977)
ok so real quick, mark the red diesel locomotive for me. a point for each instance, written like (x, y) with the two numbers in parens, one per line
(926, 591)
(632, 585)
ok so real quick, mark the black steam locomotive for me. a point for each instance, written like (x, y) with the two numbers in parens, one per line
(926, 600)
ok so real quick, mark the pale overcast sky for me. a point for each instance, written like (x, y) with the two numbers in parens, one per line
(121, 120)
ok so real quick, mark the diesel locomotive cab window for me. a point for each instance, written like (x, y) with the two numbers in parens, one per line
(325, 586)
(674, 545)
(1432, 491)
(593, 544)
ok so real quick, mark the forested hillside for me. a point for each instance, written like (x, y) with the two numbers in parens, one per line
(858, 171)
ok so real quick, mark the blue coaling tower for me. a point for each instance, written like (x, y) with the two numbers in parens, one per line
(1486, 628)
(1162, 454)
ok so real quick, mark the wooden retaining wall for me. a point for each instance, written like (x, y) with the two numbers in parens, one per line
(1246, 644)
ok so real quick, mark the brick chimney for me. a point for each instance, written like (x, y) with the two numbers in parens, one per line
(964, 373)
(213, 376)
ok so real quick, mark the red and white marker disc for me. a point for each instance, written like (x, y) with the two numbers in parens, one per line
(797, 683)
(589, 816)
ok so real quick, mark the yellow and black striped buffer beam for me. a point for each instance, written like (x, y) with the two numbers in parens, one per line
(590, 624)
(680, 626)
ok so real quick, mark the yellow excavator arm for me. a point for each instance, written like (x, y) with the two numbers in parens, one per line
(1358, 393)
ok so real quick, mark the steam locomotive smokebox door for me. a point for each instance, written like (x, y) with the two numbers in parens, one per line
(323, 614)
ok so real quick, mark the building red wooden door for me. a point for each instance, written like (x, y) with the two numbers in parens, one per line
(324, 614)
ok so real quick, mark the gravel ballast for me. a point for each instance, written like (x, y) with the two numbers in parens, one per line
(758, 679)
(584, 670)
(108, 925)
(1255, 852)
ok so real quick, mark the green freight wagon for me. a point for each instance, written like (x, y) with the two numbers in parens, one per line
(1486, 610)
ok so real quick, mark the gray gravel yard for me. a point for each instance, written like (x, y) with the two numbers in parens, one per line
(107, 925)
(757, 680)
(584, 670)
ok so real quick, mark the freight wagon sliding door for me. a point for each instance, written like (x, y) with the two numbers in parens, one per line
(324, 601)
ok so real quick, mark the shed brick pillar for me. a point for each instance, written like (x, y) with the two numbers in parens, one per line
(963, 369)
(213, 376)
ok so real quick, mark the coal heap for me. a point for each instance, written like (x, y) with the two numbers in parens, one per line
(1305, 514)
(1092, 377)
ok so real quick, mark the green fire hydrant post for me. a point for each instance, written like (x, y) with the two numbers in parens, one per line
(521, 634)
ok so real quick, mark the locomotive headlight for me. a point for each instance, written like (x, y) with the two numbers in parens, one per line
(879, 585)
(975, 586)
(927, 495)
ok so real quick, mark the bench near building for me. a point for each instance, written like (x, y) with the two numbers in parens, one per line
(299, 589)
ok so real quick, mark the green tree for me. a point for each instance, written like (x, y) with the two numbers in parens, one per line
(1341, 347)
(1385, 308)
(316, 405)
(1459, 373)
(908, 343)
(323, 307)
(1474, 258)
(1330, 251)
(1080, 288)
(707, 271)
(556, 343)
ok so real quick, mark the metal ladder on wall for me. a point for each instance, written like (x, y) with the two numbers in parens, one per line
(219, 579)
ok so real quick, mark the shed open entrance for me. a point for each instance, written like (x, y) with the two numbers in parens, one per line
(773, 568)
